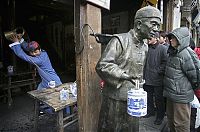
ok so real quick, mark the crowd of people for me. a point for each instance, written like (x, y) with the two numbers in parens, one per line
(171, 76)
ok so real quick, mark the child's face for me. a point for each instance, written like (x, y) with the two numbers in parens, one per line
(152, 40)
(162, 39)
(35, 53)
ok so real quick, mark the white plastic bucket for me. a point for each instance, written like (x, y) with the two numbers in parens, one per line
(137, 102)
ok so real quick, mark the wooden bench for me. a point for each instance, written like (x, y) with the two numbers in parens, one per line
(17, 80)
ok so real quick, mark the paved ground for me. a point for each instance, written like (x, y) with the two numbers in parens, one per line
(147, 125)
(20, 119)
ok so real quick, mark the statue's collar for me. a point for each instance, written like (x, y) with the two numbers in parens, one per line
(136, 41)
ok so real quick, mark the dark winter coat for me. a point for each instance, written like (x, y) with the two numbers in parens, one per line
(179, 68)
(155, 65)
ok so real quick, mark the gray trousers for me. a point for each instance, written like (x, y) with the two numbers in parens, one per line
(114, 117)
(178, 115)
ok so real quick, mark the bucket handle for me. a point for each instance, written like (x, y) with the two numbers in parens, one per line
(136, 83)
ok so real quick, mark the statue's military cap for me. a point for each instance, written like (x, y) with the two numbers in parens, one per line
(148, 12)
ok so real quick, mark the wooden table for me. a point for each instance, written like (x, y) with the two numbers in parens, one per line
(51, 98)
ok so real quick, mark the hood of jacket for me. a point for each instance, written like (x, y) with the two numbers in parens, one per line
(182, 34)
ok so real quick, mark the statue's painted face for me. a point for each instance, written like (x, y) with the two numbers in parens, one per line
(148, 25)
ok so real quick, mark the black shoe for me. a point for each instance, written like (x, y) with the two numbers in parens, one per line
(158, 121)
(149, 115)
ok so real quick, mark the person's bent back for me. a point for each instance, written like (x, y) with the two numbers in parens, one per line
(40, 59)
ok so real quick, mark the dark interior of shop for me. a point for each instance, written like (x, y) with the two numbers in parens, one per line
(50, 23)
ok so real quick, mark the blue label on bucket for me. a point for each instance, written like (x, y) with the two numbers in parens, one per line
(137, 114)
(136, 103)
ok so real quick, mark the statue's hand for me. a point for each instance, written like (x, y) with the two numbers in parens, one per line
(138, 83)
(125, 76)
(132, 79)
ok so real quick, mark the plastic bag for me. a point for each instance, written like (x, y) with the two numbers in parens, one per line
(195, 102)
(197, 123)
(73, 88)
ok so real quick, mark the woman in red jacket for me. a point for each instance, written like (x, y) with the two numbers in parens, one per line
(197, 92)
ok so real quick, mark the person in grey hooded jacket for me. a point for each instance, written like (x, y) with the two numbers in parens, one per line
(122, 61)
(180, 75)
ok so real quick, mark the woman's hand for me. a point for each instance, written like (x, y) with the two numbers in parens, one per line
(19, 36)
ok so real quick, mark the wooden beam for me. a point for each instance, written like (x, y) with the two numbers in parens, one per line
(168, 15)
(88, 52)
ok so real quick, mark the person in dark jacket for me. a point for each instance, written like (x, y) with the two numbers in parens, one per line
(180, 75)
(120, 64)
(153, 75)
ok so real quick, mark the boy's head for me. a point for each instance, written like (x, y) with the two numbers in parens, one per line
(163, 37)
(33, 48)
(154, 38)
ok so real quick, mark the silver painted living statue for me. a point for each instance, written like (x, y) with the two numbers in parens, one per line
(121, 62)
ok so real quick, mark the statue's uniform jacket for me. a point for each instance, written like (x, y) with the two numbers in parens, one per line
(127, 57)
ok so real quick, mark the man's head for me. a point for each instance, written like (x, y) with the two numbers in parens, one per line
(33, 48)
(147, 19)
(163, 37)
(154, 38)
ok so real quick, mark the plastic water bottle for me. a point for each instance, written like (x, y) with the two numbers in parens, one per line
(73, 88)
